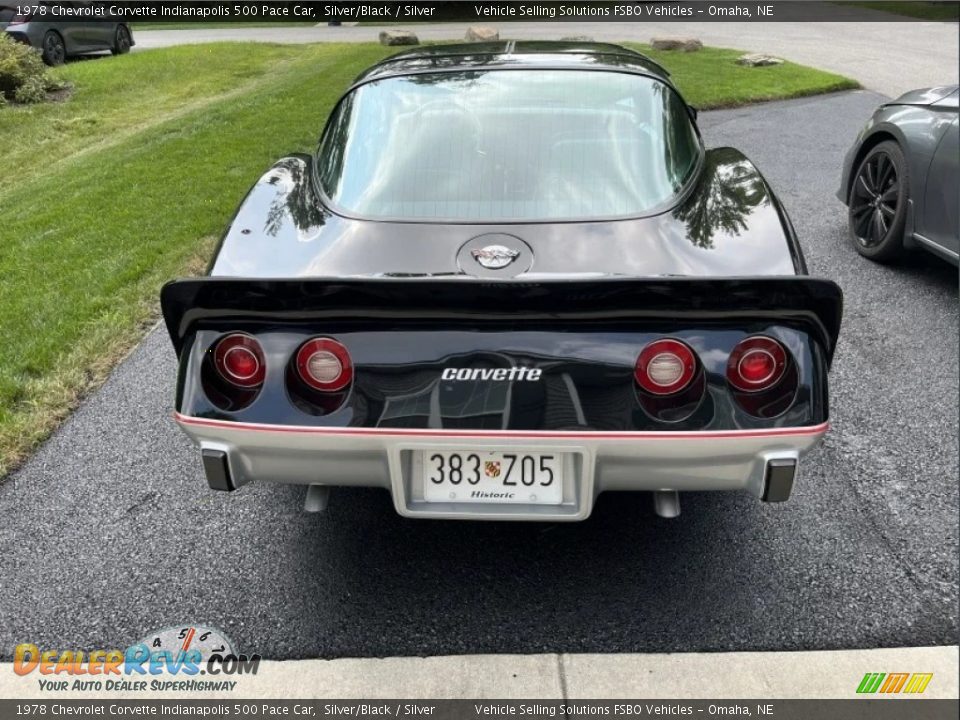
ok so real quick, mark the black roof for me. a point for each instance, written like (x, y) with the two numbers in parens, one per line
(513, 53)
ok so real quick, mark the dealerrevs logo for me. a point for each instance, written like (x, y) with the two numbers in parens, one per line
(184, 652)
(494, 374)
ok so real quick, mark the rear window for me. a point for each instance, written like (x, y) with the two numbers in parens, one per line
(7, 13)
(508, 145)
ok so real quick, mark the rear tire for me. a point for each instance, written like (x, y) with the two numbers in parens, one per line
(121, 41)
(54, 51)
(877, 203)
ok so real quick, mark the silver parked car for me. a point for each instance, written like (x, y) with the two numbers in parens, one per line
(48, 27)
(901, 178)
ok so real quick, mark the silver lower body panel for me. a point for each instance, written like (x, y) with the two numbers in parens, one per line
(595, 461)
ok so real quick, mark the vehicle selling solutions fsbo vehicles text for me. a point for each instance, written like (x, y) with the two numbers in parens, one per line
(622, 11)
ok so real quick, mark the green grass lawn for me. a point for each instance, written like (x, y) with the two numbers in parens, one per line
(130, 182)
(711, 78)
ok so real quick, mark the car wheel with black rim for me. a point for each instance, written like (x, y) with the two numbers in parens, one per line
(121, 41)
(878, 203)
(54, 51)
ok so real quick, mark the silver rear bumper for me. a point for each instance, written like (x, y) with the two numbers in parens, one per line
(763, 462)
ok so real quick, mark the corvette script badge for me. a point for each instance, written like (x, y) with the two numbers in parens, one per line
(494, 257)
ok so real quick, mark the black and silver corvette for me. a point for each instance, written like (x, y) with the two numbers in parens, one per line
(510, 278)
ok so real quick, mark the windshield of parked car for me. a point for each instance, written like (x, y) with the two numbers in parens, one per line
(507, 145)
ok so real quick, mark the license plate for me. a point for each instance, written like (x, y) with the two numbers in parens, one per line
(486, 476)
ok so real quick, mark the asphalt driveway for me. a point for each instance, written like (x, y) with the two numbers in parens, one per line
(109, 532)
(887, 57)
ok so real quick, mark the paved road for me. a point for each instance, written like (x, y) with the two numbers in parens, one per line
(109, 531)
(888, 57)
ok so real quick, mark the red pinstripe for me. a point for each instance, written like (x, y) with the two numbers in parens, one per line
(542, 434)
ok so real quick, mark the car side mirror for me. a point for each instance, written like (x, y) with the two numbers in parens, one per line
(693, 112)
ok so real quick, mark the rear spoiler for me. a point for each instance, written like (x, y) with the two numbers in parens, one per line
(815, 304)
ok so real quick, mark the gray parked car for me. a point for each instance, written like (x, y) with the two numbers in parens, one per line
(901, 178)
(45, 28)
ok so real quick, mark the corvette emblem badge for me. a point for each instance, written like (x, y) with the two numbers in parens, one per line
(494, 257)
(491, 469)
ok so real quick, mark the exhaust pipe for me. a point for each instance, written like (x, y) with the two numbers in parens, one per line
(216, 467)
(318, 496)
(778, 477)
(666, 503)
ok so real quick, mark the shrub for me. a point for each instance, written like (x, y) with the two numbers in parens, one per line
(23, 76)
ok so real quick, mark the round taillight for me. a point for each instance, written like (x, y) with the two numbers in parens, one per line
(324, 365)
(665, 367)
(756, 364)
(239, 360)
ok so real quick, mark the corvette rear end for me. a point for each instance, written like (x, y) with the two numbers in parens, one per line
(507, 341)
(488, 401)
